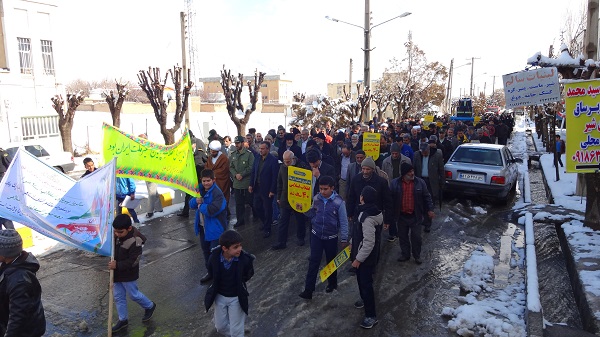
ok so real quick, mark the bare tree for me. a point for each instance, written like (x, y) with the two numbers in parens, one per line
(382, 100)
(65, 119)
(79, 85)
(115, 102)
(232, 89)
(151, 84)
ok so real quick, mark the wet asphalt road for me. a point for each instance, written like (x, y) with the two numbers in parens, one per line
(409, 297)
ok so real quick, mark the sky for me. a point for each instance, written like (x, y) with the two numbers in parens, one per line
(119, 38)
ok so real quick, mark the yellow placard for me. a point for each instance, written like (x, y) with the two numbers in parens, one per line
(427, 120)
(138, 158)
(332, 266)
(476, 120)
(371, 144)
(582, 101)
(299, 188)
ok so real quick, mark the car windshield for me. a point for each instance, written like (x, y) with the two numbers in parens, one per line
(477, 156)
(35, 150)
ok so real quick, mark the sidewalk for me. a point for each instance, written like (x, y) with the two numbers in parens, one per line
(581, 245)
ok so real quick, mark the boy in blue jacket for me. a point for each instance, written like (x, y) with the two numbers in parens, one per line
(329, 218)
(212, 205)
(125, 187)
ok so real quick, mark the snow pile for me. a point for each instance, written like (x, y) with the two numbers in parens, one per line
(487, 311)
(500, 314)
(479, 210)
(477, 271)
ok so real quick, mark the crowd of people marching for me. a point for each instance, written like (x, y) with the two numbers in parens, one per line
(355, 198)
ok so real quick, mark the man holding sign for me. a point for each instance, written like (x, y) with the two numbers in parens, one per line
(328, 219)
(289, 161)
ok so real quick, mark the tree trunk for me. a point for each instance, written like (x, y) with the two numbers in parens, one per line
(65, 135)
(168, 134)
(592, 205)
(241, 129)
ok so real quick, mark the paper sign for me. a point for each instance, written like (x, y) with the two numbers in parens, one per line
(299, 188)
(427, 120)
(371, 144)
(332, 266)
(582, 101)
(129, 203)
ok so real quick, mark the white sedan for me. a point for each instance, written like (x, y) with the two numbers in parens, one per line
(62, 161)
(477, 169)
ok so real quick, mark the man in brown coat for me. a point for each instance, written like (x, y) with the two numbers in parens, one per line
(219, 163)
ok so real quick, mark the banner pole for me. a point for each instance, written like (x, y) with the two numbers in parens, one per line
(111, 272)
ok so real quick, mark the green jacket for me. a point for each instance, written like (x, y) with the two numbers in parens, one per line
(241, 162)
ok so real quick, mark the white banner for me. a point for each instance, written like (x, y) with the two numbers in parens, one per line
(78, 213)
(531, 87)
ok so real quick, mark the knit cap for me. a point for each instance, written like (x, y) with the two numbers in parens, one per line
(369, 194)
(395, 148)
(368, 162)
(405, 168)
(11, 244)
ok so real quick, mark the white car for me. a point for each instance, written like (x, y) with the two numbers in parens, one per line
(487, 170)
(62, 161)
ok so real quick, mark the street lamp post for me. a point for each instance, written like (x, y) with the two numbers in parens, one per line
(367, 49)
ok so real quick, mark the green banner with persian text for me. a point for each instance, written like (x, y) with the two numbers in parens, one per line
(138, 158)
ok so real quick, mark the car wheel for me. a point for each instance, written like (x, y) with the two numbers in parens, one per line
(59, 168)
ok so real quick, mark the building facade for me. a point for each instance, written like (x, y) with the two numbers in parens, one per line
(336, 90)
(27, 74)
(274, 88)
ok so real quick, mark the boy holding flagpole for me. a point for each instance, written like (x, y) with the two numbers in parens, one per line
(127, 253)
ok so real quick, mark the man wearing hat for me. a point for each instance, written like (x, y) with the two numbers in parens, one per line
(289, 144)
(323, 146)
(21, 310)
(412, 202)
(368, 177)
(429, 166)
(219, 164)
(391, 166)
(319, 168)
(240, 167)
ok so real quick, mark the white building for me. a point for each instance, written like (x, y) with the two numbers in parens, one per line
(27, 75)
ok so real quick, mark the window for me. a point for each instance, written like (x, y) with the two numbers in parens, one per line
(25, 55)
(263, 85)
(47, 57)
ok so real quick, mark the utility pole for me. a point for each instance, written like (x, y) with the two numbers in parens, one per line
(350, 81)
(182, 18)
(472, 66)
(591, 32)
(367, 81)
(449, 89)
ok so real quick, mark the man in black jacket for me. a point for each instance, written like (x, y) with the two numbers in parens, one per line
(368, 177)
(21, 310)
(289, 160)
(319, 168)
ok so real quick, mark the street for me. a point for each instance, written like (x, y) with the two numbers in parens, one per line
(409, 297)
